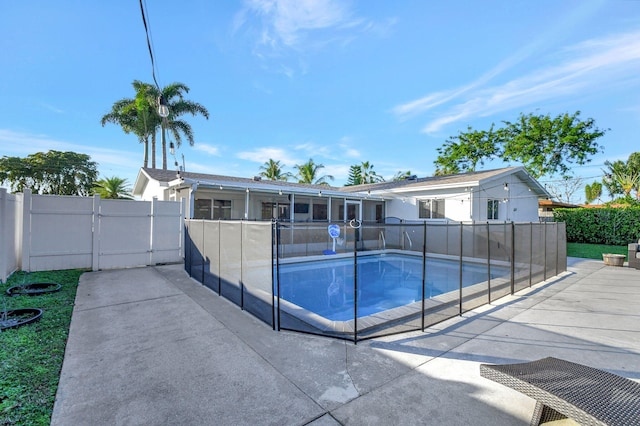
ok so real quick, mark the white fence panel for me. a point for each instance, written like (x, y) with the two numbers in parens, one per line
(167, 229)
(50, 232)
(59, 230)
(124, 236)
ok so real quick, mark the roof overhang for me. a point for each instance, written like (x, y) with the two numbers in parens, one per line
(272, 188)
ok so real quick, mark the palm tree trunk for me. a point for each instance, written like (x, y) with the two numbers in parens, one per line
(153, 151)
(164, 148)
(146, 153)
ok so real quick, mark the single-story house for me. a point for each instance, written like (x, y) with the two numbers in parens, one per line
(506, 194)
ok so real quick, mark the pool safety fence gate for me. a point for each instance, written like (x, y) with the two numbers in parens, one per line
(357, 281)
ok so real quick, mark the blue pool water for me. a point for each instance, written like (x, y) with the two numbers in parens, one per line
(385, 281)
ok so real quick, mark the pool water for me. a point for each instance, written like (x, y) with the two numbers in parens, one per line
(385, 282)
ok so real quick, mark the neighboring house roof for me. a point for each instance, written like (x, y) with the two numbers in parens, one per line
(552, 204)
(167, 177)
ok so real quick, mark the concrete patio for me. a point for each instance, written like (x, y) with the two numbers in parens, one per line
(152, 346)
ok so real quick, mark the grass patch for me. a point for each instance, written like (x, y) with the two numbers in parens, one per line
(593, 251)
(31, 355)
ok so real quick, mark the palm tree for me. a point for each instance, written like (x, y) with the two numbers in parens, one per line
(272, 170)
(628, 181)
(173, 95)
(138, 116)
(368, 175)
(401, 175)
(308, 173)
(113, 188)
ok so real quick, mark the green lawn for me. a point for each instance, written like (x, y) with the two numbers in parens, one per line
(593, 251)
(31, 355)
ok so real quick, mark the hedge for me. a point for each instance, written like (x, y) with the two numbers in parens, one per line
(612, 226)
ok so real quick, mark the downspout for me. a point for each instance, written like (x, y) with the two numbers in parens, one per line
(192, 196)
(246, 205)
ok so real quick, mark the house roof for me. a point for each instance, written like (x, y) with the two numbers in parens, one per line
(451, 181)
(170, 177)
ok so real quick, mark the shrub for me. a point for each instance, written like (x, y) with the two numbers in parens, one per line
(613, 226)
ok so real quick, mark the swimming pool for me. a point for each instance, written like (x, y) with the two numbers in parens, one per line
(385, 281)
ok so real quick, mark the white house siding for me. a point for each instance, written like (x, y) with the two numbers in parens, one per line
(517, 203)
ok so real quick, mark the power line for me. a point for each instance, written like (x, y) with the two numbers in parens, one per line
(147, 32)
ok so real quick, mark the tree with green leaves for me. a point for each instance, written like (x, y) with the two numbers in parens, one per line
(544, 145)
(272, 170)
(593, 192)
(52, 172)
(113, 188)
(309, 171)
(140, 116)
(363, 173)
(355, 176)
(463, 152)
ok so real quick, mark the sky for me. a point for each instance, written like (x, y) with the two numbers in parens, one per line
(337, 81)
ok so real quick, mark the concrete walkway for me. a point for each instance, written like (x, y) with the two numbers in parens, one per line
(151, 346)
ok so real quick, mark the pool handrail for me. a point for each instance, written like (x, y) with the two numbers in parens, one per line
(384, 242)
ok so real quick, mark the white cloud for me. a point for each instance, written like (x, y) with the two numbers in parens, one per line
(209, 149)
(262, 155)
(286, 22)
(313, 150)
(303, 25)
(594, 66)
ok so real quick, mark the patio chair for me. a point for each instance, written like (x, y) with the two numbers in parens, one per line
(566, 390)
(634, 255)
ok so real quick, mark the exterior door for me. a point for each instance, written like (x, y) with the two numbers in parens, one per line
(353, 210)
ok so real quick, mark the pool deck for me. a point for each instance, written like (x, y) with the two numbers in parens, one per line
(150, 346)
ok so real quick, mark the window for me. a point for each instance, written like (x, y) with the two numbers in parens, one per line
(431, 209)
(275, 211)
(319, 212)
(202, 208)
(221, 209)
(492, 209)
(301, 208)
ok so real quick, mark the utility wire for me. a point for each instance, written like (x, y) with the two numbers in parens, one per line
(146, 30)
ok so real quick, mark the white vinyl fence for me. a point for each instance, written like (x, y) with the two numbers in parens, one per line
(47, 232)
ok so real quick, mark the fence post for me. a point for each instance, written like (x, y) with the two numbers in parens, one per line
(557, 237)
(545, 251)
(513, 257)
(4, 235)
(152, 216)
(181, 233)
(460, 268)
(489, 258)
(26, 233)
(424, 268)
(95, 250)
(530, 252)
(278, 269)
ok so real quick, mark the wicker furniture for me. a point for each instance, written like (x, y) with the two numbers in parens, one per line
(564, 389)
(634, 255)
